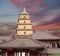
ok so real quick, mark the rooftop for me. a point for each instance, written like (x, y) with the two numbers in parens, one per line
(42, 35)
(22, 43)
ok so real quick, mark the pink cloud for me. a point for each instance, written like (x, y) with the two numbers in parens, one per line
(36, 9)
(58, 34)
(20, 3)
(55, 25)
(49, 17)
(45, 19)
(37, 1)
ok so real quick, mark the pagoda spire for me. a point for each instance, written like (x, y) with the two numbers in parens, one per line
(24, 11)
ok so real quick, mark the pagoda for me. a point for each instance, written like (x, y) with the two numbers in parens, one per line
(24, 27)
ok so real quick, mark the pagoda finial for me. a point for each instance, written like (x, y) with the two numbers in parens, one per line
(24, 11)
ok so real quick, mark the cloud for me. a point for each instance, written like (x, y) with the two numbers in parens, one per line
(49, 26)
(45, 19)
(36, 9)
(20, 3)
(27, 3)
(7, 15)
(52, 4)
(51, 16)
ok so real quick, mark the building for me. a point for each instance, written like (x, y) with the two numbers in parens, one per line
(29, 43)
(24, 27)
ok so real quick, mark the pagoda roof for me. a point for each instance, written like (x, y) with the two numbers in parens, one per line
(22, 43)
(42, 35)
(24, 11)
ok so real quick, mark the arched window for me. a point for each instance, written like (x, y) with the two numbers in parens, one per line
(24, 27)
(24, 32)
(24, 21)
(24, 16)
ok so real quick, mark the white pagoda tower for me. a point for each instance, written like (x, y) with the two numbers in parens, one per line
(24, 26)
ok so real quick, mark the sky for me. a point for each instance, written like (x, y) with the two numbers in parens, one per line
(45, 14)
(42, 11)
